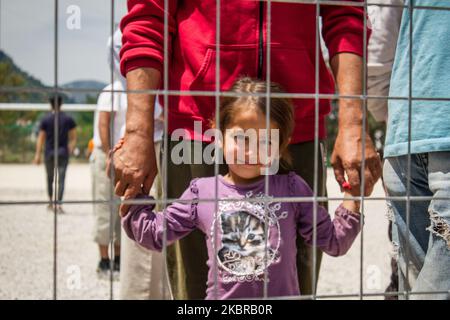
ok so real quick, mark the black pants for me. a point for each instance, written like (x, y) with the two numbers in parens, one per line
(50, 167)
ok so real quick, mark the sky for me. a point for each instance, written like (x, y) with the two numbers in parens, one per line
(27, 36)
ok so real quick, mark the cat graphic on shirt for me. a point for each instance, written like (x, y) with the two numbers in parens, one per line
(243, 243)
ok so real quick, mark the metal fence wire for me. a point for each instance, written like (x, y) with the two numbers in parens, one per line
(165, 92)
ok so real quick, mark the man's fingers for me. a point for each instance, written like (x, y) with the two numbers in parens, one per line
(120, 188)
(123, 210)
(130, 193)
(372, 173)
(148, 182)
(117, 172)
(116, 163)
(368, 181)
(339, 172)
(376, 169)
(354, 180)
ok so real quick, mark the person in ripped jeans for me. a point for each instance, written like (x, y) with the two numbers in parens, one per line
(417, 150)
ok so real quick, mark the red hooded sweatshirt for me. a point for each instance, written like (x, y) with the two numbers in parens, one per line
(243, 51)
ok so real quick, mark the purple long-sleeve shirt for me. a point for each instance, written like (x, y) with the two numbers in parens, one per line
(238, 228)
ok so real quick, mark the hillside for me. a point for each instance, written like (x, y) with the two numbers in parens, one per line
(21, 126)
(83, 97)
(12, 76)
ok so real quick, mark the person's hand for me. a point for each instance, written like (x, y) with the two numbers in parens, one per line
(37, 159)
(347, 159)
(134, 167)
(351, 205)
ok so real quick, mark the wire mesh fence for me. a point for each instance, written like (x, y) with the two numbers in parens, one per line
(169, 17)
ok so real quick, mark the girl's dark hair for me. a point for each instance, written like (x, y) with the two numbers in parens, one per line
(281, 110)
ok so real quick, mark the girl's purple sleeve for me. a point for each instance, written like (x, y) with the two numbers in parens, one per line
(334, 237)
(146, 227)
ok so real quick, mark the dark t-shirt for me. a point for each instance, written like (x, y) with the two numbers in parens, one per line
(65, 124)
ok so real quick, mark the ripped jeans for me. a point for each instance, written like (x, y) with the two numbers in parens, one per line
(428, 253)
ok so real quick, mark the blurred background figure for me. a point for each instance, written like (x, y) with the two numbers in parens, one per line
(89, 149)
(65, 139)
(109, 122)
(140, 269)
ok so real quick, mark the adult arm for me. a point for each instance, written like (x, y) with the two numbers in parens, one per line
(348, 151)
(343, 32)
(72, 140)
(142, 60)
(103, 129)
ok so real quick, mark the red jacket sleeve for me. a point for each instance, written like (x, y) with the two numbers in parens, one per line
(343, 28)
(143, 34)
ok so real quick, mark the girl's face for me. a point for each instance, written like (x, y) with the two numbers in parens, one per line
(245, 146)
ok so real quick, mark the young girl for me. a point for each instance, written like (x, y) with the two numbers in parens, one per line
(240, 249)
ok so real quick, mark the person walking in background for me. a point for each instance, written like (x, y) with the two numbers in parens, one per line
(89, 148)
(143, 269)
(66, 140)
(109, 123)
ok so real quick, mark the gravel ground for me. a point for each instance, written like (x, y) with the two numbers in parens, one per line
(26, 242)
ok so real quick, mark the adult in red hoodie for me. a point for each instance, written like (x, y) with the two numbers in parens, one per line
(243, 46)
